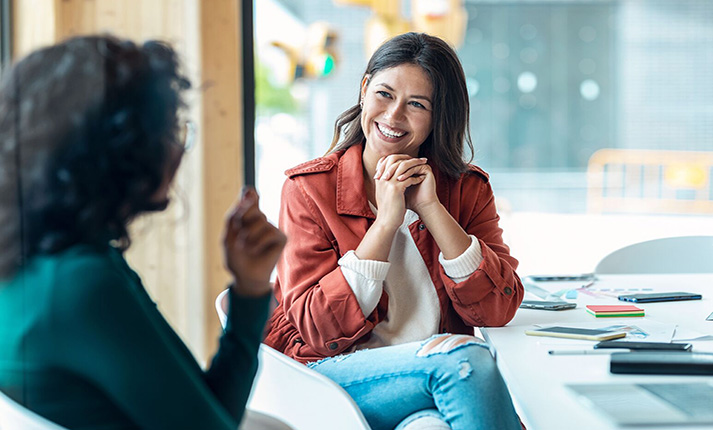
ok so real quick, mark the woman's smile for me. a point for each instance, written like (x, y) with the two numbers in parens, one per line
(389, 133)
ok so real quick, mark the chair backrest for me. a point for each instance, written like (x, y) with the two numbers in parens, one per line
(253, 420)
(650, 181)
(299, 396)
(303, 398)
(685, 254)
(14, 416)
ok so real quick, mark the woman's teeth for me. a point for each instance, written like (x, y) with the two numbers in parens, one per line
(388, 132)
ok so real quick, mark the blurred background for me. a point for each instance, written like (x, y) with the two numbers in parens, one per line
(594, 118)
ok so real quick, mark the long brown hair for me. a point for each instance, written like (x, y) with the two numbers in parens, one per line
(451, 107)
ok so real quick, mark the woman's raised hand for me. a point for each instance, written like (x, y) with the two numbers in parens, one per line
(422, 197)
(251, 245)
(394, 175)
(416, 179)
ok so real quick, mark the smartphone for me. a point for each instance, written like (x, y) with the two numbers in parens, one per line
(644, 346)
(576, 333)
(659, 297)
(547, 306)
(560, 278)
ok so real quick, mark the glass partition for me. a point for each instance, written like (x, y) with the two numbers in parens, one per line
(551, 85)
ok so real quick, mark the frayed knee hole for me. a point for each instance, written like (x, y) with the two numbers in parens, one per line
(444, 344)
(464, 369)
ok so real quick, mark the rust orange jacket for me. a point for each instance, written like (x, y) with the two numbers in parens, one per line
(325, 213)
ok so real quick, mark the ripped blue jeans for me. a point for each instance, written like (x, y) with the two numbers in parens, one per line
(462, 382)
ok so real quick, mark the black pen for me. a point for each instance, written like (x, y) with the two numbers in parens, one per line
(587, 351)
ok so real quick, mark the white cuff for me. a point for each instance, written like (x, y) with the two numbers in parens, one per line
(461, 267)
(366, 279)
(370, 269)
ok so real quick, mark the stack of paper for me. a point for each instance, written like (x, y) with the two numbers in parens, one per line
(603, 311)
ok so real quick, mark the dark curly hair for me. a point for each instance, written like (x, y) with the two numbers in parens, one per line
(86, 129)
(451, 106)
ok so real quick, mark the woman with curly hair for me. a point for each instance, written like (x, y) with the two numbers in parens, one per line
(90, 138)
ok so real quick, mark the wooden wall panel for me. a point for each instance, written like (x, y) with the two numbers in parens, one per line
(222, 115)
(32, 30)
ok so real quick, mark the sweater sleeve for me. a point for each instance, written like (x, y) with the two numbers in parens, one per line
(366, 279)
(112, 335)
(461, 267)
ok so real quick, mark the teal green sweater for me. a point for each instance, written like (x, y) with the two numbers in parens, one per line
(82, 344)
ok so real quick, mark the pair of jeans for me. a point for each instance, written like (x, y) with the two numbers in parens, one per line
(390, 383)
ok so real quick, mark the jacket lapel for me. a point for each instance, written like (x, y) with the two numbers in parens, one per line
(351, 193)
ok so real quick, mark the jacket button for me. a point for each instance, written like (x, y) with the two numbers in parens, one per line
(508, 290)
(421, 226)
(333, 346)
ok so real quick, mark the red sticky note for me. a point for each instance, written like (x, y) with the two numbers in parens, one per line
(613, 308)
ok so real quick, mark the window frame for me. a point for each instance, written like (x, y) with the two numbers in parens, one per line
(5, 34)
(248, 67)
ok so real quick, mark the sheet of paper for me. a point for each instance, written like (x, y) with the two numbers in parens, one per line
(551, 290)
(683, 334)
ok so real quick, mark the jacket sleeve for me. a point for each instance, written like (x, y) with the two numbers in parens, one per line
(316, 297)
(492, 294)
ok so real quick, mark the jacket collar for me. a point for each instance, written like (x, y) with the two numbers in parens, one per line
(351, 192)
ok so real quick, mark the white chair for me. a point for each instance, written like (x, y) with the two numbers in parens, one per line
(14, 416)
(685, 254)
(253, 420)
(305, 399)
(296, 394)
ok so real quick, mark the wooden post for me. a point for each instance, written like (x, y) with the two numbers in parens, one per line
(222, 137)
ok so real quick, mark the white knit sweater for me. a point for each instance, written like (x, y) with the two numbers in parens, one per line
(414, 311)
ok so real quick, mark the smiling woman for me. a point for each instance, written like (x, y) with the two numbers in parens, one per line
(396, 118)
(440, 88)
(396, 253)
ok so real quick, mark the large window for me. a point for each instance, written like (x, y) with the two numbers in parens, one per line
(5, 34)
(551, 85)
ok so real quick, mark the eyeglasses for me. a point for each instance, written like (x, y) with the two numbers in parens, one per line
(187, 135)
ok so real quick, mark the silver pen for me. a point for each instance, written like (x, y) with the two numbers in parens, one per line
(588, 284)
(587, 351)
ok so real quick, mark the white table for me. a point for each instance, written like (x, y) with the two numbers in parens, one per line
(537, 380)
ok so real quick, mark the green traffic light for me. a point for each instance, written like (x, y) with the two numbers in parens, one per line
(328, 65)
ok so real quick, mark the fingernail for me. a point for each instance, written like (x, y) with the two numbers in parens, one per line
(248, 195)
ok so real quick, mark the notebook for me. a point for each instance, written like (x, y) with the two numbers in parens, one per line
(650, 403)
(604, 311)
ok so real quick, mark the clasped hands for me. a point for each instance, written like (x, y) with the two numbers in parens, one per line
(402, 182)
